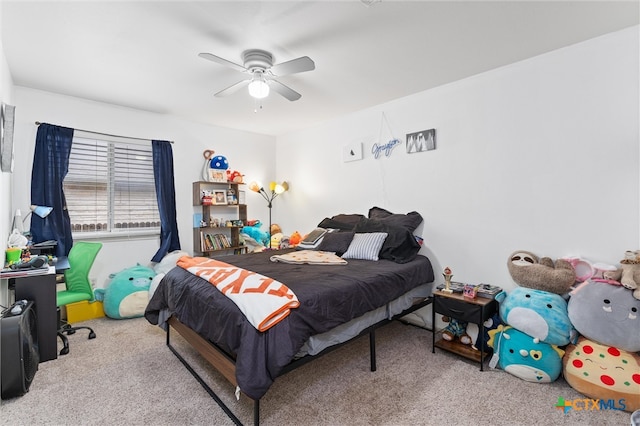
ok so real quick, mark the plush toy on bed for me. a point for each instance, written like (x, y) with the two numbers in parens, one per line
(127, 294)
(295, 239)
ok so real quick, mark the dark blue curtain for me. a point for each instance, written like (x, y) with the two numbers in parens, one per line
(50, 166)
(166, 195)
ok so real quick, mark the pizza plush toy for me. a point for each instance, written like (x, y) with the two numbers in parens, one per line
(604, 372)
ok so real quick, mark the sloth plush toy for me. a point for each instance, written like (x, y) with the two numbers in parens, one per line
(542, 274)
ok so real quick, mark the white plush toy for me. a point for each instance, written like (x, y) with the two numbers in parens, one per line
(165, 265)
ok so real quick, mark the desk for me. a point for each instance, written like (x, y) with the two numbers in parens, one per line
(41, 289)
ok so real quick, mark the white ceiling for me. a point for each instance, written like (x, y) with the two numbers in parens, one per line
(144, 54)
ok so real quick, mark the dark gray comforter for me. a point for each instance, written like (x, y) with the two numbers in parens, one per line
(328, 295)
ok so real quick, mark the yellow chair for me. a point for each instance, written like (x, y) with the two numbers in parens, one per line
(78, 287)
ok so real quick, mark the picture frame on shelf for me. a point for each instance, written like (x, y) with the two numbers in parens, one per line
(220, 198)
(218, 176)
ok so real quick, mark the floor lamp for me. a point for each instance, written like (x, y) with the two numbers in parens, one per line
(275, 189)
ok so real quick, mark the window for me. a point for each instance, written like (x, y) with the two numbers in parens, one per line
(110, 188)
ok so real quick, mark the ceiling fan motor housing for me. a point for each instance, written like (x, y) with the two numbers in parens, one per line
(256, 59)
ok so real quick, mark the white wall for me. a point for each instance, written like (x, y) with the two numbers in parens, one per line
(6, 96)
(249, 153)
(541, 155)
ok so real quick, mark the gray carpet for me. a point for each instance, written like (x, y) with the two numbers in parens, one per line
(127, 375)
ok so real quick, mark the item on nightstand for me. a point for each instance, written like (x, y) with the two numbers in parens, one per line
(447, 280)
(470, 291)
(454, 286)
(488, 291)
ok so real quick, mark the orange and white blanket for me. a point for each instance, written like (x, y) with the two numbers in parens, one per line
(263, 300)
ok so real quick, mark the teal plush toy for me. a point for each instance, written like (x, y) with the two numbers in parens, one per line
(256, 233)
(127, 294)
(524, 356)
(540, 314)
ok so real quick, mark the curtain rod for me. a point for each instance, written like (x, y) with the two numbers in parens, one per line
(107, 134)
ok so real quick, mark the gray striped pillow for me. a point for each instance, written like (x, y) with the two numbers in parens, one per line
(365, 246)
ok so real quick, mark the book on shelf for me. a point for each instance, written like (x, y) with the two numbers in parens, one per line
(197, 220)
(26, 272)
(212, 242)
(209, 242)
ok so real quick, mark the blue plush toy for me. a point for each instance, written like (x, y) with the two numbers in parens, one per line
(127, 294)
(540, 314)
(256, 233)
(219, 162)
(523, 356)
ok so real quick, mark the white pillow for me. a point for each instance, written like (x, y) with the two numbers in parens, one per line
(365, 246)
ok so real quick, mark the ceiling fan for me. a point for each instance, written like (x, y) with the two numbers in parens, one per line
(259, 64)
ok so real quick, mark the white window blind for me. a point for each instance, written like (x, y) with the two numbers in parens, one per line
(110, 187)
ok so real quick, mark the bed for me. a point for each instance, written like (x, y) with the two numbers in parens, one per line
(337, 304)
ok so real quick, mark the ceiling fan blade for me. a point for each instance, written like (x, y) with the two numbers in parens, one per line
(283, 90)
(233, 88)
(293, 66)
(222, 61)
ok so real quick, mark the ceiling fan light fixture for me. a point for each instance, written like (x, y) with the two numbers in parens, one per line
(258, 88)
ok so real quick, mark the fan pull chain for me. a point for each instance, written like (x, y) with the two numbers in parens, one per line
(257, 105)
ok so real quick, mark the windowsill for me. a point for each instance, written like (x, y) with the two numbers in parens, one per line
(116, 236)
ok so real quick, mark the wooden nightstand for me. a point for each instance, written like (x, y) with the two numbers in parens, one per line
(455, 305)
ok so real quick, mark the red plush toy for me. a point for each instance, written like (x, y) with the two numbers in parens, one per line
(234, 176)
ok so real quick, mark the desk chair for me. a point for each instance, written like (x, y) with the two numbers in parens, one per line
(78, 286)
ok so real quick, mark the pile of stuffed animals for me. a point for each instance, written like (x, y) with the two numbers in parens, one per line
(258, 240)
(573, 318)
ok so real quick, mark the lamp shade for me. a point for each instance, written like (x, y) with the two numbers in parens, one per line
(42, 211)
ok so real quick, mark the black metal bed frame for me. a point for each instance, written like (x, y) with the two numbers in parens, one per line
(293, 364)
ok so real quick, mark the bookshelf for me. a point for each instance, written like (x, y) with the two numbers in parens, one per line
(218, 218)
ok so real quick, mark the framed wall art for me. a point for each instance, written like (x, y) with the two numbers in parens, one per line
(7, 114)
